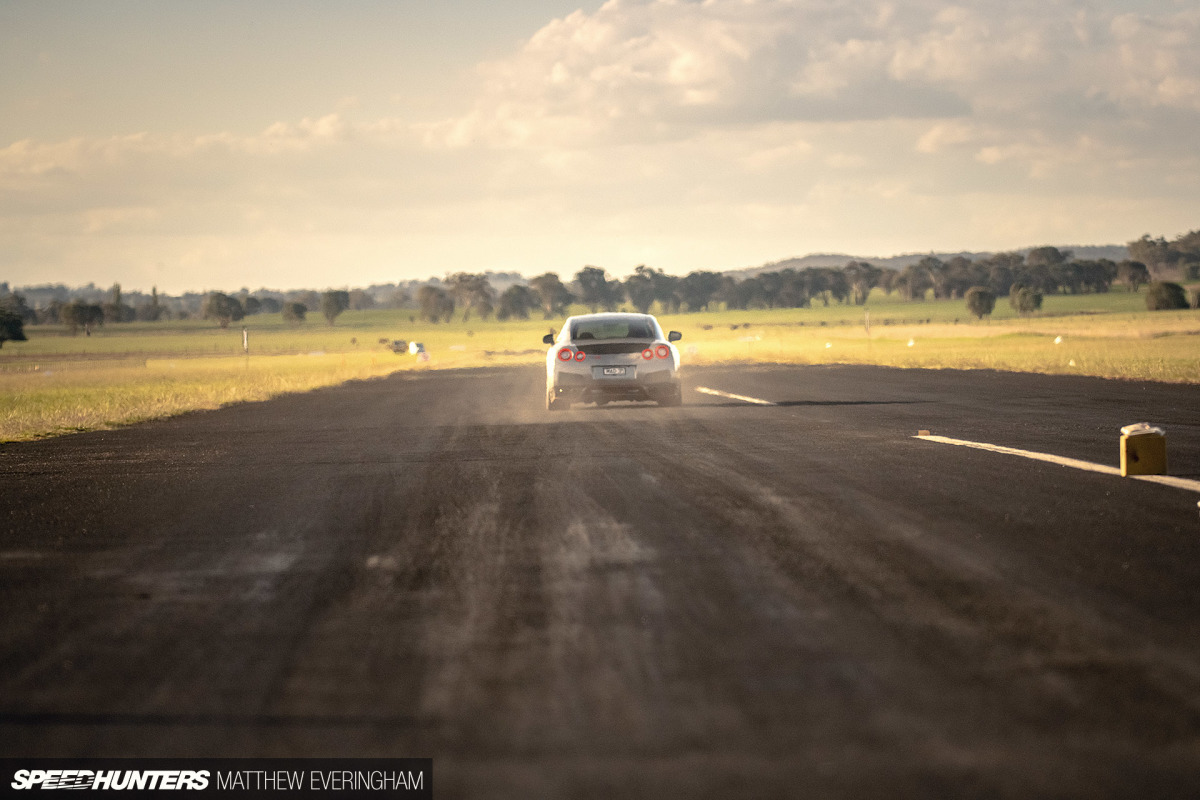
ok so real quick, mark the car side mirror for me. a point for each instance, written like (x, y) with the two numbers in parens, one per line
(674, 336)
(548, 338)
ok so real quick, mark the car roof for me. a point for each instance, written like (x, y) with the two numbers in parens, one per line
(610, 315)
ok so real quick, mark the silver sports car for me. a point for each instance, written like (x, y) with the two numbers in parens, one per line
(603, 357)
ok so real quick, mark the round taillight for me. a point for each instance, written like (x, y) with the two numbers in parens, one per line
(580, 355)
(662, 351)
(647, 354)
(564, 355)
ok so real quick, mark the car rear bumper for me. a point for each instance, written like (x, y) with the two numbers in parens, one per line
(576, 388)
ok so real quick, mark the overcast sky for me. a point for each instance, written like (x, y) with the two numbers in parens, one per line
(216, 145)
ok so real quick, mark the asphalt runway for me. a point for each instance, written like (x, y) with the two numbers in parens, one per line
(722, 600)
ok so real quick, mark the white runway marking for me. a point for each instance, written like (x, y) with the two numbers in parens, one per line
(1166, 480)
(742, 397)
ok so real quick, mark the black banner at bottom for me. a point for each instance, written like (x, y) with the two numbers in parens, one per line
(187, 777)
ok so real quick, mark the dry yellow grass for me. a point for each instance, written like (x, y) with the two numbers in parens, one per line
(55, 384)
(63, 398)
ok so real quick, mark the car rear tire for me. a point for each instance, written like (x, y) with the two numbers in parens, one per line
(555, 404)
(674, 399)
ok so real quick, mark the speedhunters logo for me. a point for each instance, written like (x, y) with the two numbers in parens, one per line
(295, 777)
(165, 780)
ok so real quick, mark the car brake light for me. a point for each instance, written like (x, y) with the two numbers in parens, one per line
(580, 355)
(647, 354)
(662, 351)
(564, 355)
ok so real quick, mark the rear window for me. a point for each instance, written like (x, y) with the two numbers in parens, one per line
(612, 329)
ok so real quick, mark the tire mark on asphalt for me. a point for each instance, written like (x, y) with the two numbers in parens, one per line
(940, 601)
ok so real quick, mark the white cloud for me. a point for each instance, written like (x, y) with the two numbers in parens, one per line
(1158, 59)
(690, 134)
(27, 158)
(944, 135)
(666, 70)
(638, 71)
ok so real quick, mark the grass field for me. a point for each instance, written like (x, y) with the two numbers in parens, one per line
(57, 383)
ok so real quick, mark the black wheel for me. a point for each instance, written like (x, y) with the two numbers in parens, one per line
(673, 400)
(555, 404)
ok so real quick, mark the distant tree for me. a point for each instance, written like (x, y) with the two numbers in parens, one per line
(961, 274)
(399, 299)
(639, 288)
(436, 303)
(1002, 269)
(596, 290)
(1156, 254)
(472, 293)
(981, 301)
(1188, 248)
(837, 285)
(731, 292)
(811, 283)
(16, 304)
(554, 294)
(936, 274)
(790, 288)
(1096, 276)
(252, 305)
(1043, 269)
(361, 300)
(667, 291)
(862, 277)
(78, 314)
(1025, 299)
(1195, 298)
(772, 290)
(152, 311)
(1134, 274)
(887, 280)
(787, 288)
(1188, 244)
(66, 314)
(50, 315)
(517, 301)
(310, 299)
(12, 327)
(1166, 297)
(223, 308)
(112, 309)
(1046, 256)
(913, 281)
(333, 303)
(270, 305)
(95, 317)
(115, 310)
(697, 289)
(293, 312)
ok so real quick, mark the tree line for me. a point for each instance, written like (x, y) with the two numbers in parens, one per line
(1179, 257)
(85, 314)
(1022, 277)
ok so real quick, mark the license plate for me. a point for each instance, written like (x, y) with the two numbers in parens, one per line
(614, 370)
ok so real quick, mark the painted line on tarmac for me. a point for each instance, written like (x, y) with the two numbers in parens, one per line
(717, 393)
(1166, 480)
